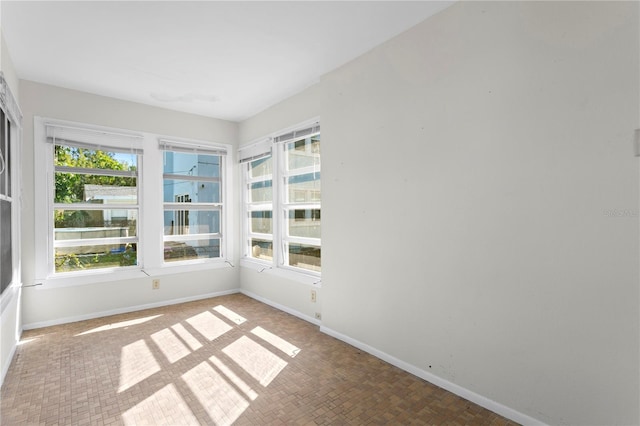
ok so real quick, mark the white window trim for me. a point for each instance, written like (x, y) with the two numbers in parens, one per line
(43, 156)
(251, 152)
(14, 116)
(150, 258)
(195, 146)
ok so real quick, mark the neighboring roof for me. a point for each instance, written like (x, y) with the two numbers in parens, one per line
(98, 192)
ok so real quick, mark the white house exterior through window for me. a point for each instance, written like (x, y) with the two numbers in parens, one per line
(193, 194)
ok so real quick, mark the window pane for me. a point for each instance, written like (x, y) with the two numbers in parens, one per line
(187, 164)
(6, 252)
(81, 258)
(189, 191)
(190, 222)
(5, 158)
(88, 224)
(70, 156)
(77, 188)
(303, 153)
(195, 249)
(261, 167)
(261, 249)
(304, 256)
(304, 188)
(261, 222)
(304, 223)
(261, 192)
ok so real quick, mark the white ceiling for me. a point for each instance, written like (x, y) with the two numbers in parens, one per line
(228, 60)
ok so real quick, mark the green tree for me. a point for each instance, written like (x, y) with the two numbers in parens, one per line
(70, 186)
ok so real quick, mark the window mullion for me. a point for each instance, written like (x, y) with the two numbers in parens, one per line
(193, 206)
(191, 178)
(85, 242)
(96, 172)
(94, 206)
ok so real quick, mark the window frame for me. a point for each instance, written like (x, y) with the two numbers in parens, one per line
(287, 205)
(11, 193)
(258, 206)
(275, 146)
(150, 199)
(186, 146)
(150, 256)
(13, 187)
(98, 138)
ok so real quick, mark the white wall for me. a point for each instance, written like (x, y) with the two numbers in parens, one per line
(10, 324)
(42, 306)
(6, 64)
(480, 204)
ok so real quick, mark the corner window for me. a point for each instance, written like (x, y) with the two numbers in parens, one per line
(192, 202)
(282, 194)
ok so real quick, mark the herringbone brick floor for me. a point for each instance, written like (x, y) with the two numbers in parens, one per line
(226, 360)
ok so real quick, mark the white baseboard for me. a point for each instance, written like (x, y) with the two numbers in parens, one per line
(467, 394)
(127, 309)
(7, 362)
(281, 307)
(11, 295)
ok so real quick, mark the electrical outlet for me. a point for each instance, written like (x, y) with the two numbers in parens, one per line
(155, 284)
(318, 316)
(313, 296)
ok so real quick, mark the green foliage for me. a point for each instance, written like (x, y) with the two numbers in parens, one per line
(70, 186)
(77, 262)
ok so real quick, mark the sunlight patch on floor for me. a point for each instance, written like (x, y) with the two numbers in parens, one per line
(25, 341)
(186, 337)
(121, 324)
(136, 364)
(170, 345)
(229, 314)
(165, 407)
(233, 377)
(255, 359)
(219, 398)
(209, 325)
(276, 341)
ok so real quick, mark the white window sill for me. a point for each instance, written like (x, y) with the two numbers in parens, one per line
(95, 277)
(312, 279)
(182, 267)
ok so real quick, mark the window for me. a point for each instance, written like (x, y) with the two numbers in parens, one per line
(192, 201)
(6, 201)
(260, 207)
(95, 206)
(91, 216)
(301, 202)
(113, 211)
(284, 178)
(10, 150)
